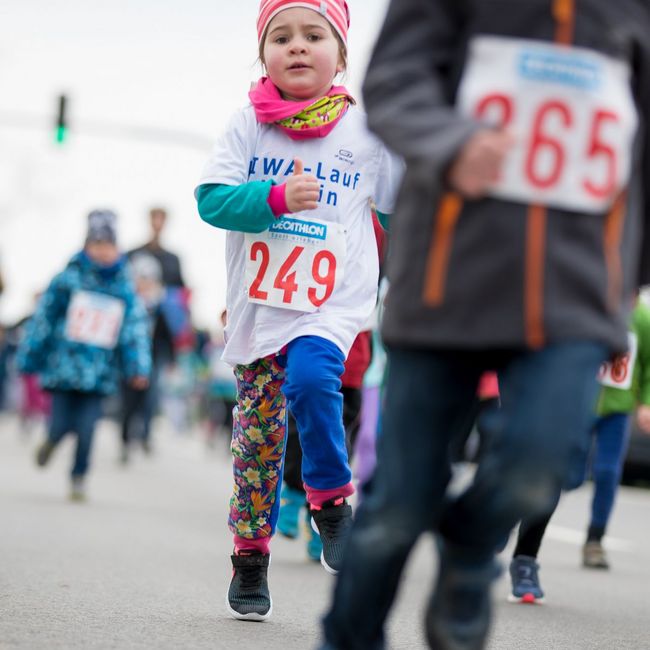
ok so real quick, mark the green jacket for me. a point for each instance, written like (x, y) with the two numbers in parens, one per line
(616, 400)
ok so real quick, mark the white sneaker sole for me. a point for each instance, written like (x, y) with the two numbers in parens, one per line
(253, 616)
(327, 567)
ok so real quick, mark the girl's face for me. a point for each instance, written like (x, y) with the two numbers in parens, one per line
(301, 54)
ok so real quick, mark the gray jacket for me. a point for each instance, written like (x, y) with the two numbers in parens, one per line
(498, 273)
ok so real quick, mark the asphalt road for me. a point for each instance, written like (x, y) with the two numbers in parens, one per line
(144, 563)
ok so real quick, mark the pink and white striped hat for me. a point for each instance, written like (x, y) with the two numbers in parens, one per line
(335, 11)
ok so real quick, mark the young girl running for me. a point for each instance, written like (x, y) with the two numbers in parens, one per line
(292, 179)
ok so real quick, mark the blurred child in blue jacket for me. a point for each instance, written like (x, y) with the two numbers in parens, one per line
(89, 329)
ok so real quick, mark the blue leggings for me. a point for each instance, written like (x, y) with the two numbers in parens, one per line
(611, 434)
(313, 390)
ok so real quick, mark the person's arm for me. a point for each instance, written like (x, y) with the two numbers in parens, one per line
(254, 206)
(179, 272)
(390, 171)
(244, 208)
(407, 90)
(225, 196)
(135, 343)
(641, 319)
(41, 327)
(384, 220)
(643, 93)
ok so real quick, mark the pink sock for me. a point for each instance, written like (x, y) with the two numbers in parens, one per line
(317, 498)
(262, 545)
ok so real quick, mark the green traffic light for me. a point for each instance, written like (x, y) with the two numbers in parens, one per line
(61, 119)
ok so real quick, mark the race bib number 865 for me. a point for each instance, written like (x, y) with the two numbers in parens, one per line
(295, 264)
(571, 111)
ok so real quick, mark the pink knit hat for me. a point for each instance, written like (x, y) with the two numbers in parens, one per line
(335, 11)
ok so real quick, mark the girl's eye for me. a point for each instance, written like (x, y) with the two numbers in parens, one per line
(281, 40)
(313, 37)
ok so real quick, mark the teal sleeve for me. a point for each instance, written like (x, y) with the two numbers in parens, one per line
(384, 220)
(243, 208)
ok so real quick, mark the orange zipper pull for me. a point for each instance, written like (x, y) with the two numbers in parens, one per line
(564, 14)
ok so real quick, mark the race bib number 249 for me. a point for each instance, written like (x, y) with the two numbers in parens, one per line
(296, 264)
(571, 111)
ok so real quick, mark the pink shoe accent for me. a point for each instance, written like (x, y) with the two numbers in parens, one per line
(316, 498)
(488, 386)
(262, 545)
(277, 200)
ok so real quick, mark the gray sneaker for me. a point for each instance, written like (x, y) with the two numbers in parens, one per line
(78, 489)
(594, 556)
(44, 452)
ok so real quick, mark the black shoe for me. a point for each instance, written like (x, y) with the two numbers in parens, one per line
(459, 613)
(332, 521)
(44, 452)
(248, 596)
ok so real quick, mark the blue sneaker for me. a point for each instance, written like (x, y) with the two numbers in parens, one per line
(314, 544)
(290, 503)
(525, 581)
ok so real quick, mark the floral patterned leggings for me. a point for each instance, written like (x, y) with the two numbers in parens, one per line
(305, 376)
(258, 439)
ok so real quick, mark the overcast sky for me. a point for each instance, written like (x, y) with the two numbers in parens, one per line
(182, 66)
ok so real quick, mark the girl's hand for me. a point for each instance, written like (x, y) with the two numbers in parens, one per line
(478, 165)
(302, 189)
(643, 418)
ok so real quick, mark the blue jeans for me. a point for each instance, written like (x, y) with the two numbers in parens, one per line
(75, 412)
(547, 398)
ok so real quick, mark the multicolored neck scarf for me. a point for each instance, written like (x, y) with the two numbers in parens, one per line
(299, 120)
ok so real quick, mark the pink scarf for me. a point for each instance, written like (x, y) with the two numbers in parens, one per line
(271, 108)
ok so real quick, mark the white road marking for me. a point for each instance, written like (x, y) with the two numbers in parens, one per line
(577, 538)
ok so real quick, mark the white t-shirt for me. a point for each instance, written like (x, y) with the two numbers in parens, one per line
(353, 167)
